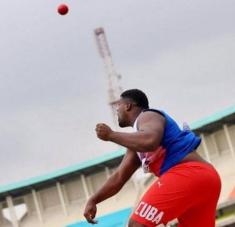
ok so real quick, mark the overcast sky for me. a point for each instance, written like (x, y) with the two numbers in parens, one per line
(53, 87)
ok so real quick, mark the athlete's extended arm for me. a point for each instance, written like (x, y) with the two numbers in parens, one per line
(148, 137)
(128, 166)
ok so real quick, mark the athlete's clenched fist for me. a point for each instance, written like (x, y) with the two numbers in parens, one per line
(90, 212)
(103, 131)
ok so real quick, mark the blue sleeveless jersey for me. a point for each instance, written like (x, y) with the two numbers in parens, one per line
(176, 142)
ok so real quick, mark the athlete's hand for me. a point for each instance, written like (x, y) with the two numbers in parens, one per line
(103, 131)
(90, 212)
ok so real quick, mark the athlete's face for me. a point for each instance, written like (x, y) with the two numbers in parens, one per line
(122, 110)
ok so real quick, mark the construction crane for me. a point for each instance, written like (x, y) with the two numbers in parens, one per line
(114, 87)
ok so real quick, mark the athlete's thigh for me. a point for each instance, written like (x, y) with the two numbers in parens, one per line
(133, 223)
(203, 215)
(206, 187)
(166, 199)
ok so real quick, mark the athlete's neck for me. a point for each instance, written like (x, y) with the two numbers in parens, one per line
(134, 116)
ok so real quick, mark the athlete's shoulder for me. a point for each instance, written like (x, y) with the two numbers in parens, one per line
(151, 115)
(154, 111)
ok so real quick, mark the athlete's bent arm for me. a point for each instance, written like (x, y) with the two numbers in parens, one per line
(148, 138)
(112, 186)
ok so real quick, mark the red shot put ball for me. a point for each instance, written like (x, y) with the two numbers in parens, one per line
(63, 9)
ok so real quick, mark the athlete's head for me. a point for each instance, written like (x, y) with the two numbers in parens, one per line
(131, 103)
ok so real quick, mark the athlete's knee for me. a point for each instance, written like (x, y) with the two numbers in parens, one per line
(133, 223)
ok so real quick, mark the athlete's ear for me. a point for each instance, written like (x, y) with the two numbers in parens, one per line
(129, 106)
